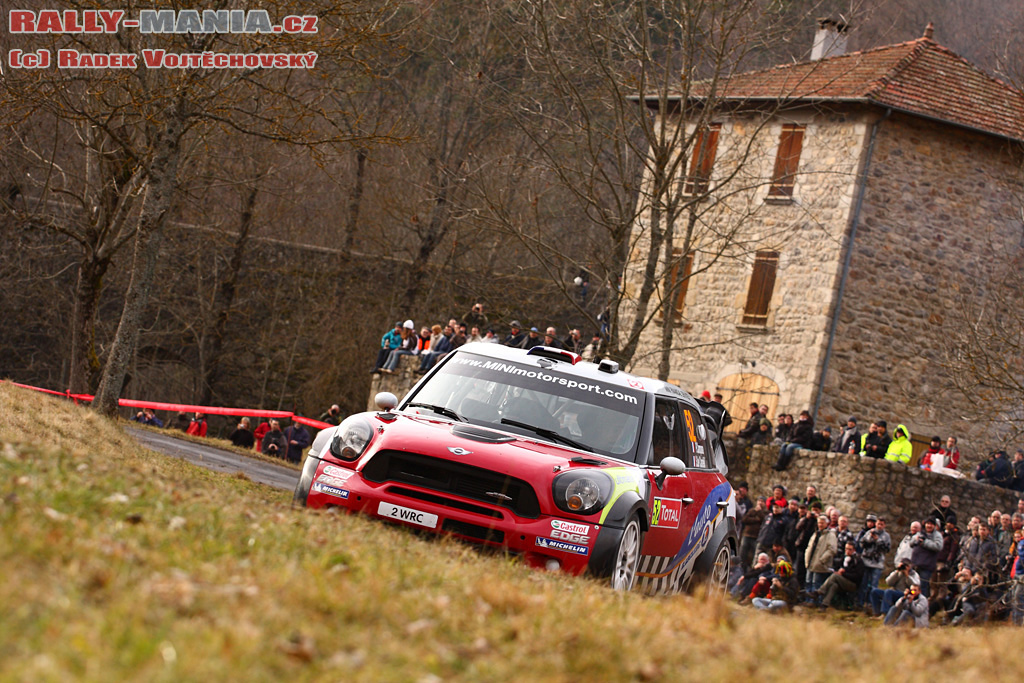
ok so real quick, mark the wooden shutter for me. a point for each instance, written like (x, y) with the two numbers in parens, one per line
(762, 284)
(679, 277)
(705, 146)
(787, 161)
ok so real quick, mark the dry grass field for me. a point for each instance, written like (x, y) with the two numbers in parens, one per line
(120, 564)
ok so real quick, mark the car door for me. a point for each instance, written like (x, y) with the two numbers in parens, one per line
(671, 504)
(709, 488)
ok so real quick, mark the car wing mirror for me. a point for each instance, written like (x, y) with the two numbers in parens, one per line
(386, 401)
(669, 466)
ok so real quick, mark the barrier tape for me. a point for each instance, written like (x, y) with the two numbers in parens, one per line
(183, 407)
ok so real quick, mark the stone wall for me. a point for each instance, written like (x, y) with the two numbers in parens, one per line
(398, 384)
(860, 485)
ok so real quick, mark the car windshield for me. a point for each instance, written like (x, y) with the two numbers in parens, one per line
(537, 399)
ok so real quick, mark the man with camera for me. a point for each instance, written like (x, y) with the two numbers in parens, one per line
(846, 579)
(924, 552)
(874, 543)
(913, 605)
(898, 581)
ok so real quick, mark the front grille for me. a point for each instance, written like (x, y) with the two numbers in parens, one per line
(442, 500)
(480, 533)
(466, 481)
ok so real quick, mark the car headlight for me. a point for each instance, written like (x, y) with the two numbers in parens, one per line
(351, 438)
(581, 493)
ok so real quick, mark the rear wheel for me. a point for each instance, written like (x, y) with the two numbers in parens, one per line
(627, 556)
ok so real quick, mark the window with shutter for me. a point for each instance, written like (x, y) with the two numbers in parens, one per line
(679, 281)
(705, 145)
(762, 284)
(787, 161)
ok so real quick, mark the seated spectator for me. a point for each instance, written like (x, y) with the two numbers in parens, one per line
(476, 317)
(516, 336)
(763, 435)
(898, 581)
(997, 471)
(182, 422)
(532, 339)
(783, 429)
(950, 454)
(846, 579)
(800, 437)
(274, 443)
(147, 417)
(782, 590)
(298, 438)
(409, 345)
(391, 340)
(243, 436)
(332, 415)
(551, 339)
(426, 336)
(934, 451)
(197, 427)
(849, 438)
(818, 556)
(876, 445)
(260, 432)
(821, 441)
(912, 607)
(438, 349)
(748, 580)
(973, 597)
(900, 449)
(459, 338)
(1017, 484)
(474, 335)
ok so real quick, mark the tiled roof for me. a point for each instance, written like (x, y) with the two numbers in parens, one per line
(920, 77)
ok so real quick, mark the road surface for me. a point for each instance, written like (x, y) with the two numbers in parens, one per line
(217, 459)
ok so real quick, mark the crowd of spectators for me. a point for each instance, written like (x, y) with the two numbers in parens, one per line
(433, 343)
(801, 551)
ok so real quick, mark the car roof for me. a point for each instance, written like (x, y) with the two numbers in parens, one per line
(583, 368)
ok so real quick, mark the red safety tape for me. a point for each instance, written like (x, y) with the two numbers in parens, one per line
(184, 407)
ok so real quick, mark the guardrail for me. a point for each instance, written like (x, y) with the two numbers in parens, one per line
(181, 407)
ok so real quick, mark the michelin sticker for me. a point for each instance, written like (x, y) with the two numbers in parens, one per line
(330, 490)
(555, 544)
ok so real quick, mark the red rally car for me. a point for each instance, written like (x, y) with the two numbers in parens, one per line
(573, 465)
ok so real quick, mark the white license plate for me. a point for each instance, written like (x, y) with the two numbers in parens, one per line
(407, 515)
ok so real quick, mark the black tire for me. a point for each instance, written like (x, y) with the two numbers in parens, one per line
(717, 578)
(627, 556)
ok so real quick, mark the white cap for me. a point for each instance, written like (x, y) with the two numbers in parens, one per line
(409, 325)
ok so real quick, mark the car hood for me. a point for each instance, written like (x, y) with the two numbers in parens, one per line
(494, 450)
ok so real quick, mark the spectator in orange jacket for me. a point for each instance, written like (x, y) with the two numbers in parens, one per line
(197, 426)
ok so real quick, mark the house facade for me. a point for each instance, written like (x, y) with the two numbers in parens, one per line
(860, 196)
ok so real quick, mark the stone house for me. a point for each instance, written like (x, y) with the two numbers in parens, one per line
(873, 185)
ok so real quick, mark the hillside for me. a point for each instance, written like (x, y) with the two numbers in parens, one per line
(121, 564)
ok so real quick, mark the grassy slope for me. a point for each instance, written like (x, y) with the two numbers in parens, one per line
(120, 564)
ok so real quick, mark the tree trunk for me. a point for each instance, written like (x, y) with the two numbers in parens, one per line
(355, 201)
(668, 325)
(85, 363)
(162, 177)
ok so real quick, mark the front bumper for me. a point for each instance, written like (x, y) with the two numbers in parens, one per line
(576, 546)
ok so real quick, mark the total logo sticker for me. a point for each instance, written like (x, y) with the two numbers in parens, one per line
(571, 527)
(666, 512)
(339, 472)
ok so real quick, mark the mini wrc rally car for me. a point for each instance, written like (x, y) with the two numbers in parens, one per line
(571, 464)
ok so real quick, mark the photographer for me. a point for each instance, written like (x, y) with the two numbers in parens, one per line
(898, 581)
(874, 543)
(274, 443)
(913, 605)
(924, 552)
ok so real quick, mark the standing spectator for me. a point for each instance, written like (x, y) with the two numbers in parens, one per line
(844, 535)
(476, 317)
(913, 606)
(874, 542)
(773, 529)
(982, 555)
(743, 502)
(274, 443)
(846, 579)
(332, 415)
(950, 553)
(805, 527)
(904, 549)
(898, 581)
(943, 513)
(850, 437)
(717, 398)
(821, 441)
(932, 456)
(951, 454)
(551, 339)
(783, 429)
(593, 349)
(764, 434)
(877, 444)
(260, 432)
(532, 339)
(574, 342)
(811, 495)
(197, 427)
(297, 438)
(750, 525)
(900, 449)
(243, 436)
(1017, 484)
(924, 553)
(516, 336)
(800, 437)
(818, 556)
(796, 512)
(391, 340)
(753, 423)
(778, 496)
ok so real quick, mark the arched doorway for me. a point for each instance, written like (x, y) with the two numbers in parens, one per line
(740, 390)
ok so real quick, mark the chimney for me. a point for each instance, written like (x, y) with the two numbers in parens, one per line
(830, 39)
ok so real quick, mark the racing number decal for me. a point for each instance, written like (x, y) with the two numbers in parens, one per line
(696, 443)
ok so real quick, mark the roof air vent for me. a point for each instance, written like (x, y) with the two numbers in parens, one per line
(609, 366)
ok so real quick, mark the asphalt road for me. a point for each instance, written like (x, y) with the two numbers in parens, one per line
(217, 459)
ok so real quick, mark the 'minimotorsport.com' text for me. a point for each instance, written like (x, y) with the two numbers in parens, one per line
(513, 369)
(150, 22)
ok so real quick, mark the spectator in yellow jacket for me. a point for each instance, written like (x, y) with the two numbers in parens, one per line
(900, 449)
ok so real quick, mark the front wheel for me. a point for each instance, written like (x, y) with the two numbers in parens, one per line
(718, 577)
(627, 556)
